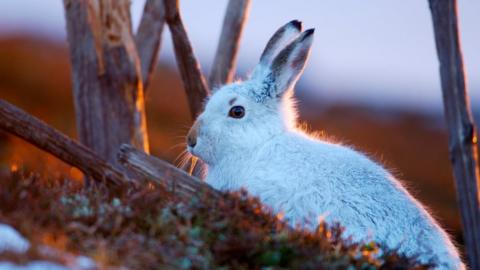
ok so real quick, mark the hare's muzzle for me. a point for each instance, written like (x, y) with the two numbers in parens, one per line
(192, 134)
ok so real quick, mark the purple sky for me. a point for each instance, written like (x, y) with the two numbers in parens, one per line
(376, 52)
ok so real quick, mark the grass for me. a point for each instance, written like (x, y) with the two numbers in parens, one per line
(148, 228)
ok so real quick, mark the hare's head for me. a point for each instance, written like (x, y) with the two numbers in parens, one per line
(240, 117)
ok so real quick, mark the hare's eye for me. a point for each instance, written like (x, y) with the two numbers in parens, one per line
(236, 112)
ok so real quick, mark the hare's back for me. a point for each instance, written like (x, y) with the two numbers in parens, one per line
(304, 167)
(309, 160)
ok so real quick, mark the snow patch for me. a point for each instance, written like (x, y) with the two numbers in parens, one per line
(83, 262)
(35, 265)
(11, 240)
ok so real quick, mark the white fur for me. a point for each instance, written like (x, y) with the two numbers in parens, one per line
(304, 177)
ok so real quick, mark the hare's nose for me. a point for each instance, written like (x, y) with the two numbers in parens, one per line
(191, 140)
(192, 134)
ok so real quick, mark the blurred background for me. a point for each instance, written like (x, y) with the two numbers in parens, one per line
(372, 81)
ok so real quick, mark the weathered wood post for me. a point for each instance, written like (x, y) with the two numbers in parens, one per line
(462, 133)
(107, 77)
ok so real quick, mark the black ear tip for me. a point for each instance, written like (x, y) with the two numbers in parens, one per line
(297, 24)
(308, 33)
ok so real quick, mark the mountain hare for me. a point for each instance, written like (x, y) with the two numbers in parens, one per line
(247, 137)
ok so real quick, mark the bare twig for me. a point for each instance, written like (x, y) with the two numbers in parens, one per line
(154, 169)
(148, 37)
(193, 80)
(223, 68)
(462, 133)
(36, 132)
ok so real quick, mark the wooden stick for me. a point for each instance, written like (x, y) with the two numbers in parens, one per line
(223, 68)
(154, 169)
(36, 132)
(462, 134)
(148, 37)
(193, 80)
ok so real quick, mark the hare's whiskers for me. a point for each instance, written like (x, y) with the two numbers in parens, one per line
(180, 157)
(183, 159)
(175, 146)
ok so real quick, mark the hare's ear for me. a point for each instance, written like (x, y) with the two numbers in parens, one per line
(289, 63)
(285, 69)
(278, 41)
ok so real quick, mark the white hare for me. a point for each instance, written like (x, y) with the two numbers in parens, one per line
(247, 137)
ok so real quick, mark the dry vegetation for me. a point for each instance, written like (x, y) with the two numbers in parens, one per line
(146, 228)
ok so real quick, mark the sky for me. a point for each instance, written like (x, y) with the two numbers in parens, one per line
(375, 52)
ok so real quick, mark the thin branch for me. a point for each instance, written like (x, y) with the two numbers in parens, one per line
(149, 36)
(462, 133)
(36, 132)
(223, 68)
(193, 80)
(154, 169)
